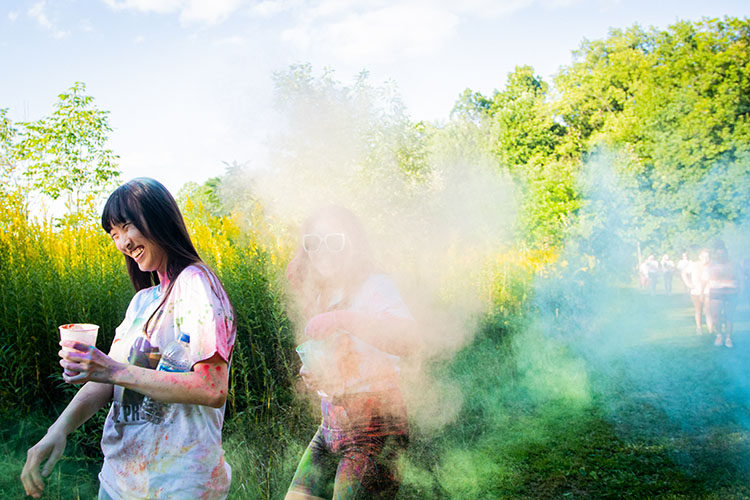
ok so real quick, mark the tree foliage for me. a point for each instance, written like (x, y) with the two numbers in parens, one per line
(64, 153)
(674, 107)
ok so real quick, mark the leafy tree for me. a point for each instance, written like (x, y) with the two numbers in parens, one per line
(350, 144)
(524, 136)
(599, 85)
(205, 195)
(64, 153)
(524, 126)
(7, 134)
(673, 106)
(471, 105)
(677, 102)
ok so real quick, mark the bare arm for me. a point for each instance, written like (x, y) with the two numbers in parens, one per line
(90, 399)
(205, 385)
(394, 334)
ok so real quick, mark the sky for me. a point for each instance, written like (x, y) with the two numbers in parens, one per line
(188, 83)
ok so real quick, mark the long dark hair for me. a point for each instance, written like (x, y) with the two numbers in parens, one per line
(147, 204)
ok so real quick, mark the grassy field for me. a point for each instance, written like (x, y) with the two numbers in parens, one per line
(658, 413)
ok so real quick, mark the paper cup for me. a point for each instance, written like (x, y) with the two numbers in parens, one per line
(313, 357)
(80, 332)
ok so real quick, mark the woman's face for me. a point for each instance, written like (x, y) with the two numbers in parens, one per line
(130, 241)
(329, 249)
(704, 257)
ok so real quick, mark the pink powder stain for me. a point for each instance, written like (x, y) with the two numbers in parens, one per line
(204, 371)
(218, 478)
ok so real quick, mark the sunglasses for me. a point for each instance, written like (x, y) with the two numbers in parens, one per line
(333, 242)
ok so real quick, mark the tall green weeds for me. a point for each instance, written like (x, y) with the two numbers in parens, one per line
(58, 272)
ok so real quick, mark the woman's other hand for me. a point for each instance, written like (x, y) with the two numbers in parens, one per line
(51, 448)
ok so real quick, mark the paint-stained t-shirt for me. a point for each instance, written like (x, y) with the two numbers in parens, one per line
(368, 397)
(182, 457)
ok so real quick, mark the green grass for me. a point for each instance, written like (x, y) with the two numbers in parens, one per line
(608, 434)
(74, 476)
(624, 402)
(591, 434)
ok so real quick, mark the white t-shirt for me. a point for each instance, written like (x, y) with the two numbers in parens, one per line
(682, 264)
(698, 274)
(182, 457)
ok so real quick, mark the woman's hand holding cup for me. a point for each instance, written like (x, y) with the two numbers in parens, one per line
(85, 363)
(84, 333)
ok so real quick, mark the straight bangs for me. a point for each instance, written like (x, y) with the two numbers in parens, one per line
(121, 207)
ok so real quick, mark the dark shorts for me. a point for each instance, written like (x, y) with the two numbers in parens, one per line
(350, 465)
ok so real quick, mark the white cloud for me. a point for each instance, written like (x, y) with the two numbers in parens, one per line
(487, 8)
(230, 40)
(381, 32)
(37, 13)
(560, 3)
(12, 15)
(86, 25)
(161, 6)
(190, 11)
(268, 7)
(209, 11)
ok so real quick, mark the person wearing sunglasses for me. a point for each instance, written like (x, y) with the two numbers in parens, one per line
(358, 328)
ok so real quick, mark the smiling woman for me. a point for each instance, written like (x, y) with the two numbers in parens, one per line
(176, 294)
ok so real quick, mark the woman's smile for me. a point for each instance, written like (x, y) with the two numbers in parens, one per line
(131, 242)
(137, 253)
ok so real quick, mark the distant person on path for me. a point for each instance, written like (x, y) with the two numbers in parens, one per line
(358, 329)
(649, 271)
(643, 274)
(667, 268)
(695, 277)
(180, 457)
(723, 288)
(682, 264)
